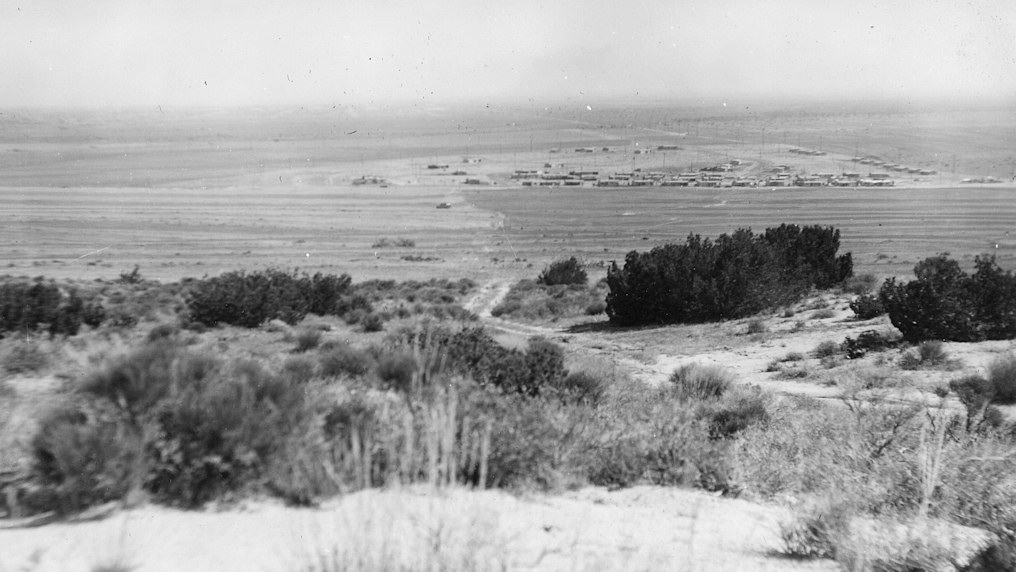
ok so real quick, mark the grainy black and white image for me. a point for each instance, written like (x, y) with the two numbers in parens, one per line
(477, 286)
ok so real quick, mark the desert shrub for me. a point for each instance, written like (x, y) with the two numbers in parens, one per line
(81, 460)
(927, 354)
(698, 381)
(132, 277)
(567, 271)
(868, 341)
(823, 314)
(975, 393)
(596, 308)
(299, 369)
(860, 284)
(249, 300)
(1002, 376)
(372, 322)
(217, 434)
(867, 307)
(737, 275)
(812, 532)
(944, 303)
(307, 339)
(530, 300)
(396, 370)
(26, 307)
(735, 411)
(353, 308)
(826, 349)
(24, 357)
(342, 359)
(651, 436)
(474, 353)
(162, 331)
(757, 326)
(138, 381)
(582, 387)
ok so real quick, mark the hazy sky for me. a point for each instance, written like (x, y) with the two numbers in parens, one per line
(212, 52)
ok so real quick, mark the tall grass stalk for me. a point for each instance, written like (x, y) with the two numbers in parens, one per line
(932, 444)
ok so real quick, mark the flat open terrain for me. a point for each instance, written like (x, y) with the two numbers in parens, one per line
(193, 193)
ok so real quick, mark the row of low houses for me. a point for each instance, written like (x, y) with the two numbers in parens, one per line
(779, 176)
(889, 166)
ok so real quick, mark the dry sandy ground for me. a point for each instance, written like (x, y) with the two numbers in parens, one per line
(642, 528)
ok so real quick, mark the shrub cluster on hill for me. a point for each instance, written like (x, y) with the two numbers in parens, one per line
(945, 303)
(250, 299)
(568, 271)
(531, 300)
(27, 307)
(734, 276)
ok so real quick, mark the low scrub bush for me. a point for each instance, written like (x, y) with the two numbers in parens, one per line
(927, 354)
(698, 381)
(568, 271)
(823, 314)
(944, 303)
(299, 369)
(736, 276)
(860, 284)
(538, 369)
(529, 300)
(218, 434)
(867, 307)
(868, 341)
(25, 357)
(251, 299)
(757, 326)
(736, 411)
(27, 307)
(81, 460)
(976, 394)
(341, 359)
(1002, 376)
(396, 370)
(372, 322)
(307, 339)
(582, 387)
(826, 349)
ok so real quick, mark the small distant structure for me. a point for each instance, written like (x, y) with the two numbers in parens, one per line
(434, 166)
(472, 160)
(668, 148)
(369, 180)
(444, 205)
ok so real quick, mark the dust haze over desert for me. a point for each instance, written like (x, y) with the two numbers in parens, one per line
(282, 285)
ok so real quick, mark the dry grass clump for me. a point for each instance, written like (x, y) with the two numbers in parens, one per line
(928, 354)
(826, 349)
(307, 339)
(26, 356)
(757, 326)
(530, 300)
(823, 314)
(700, 381)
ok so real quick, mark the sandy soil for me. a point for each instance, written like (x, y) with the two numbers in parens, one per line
(642, 528)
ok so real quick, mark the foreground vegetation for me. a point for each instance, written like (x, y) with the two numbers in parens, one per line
(305, 387)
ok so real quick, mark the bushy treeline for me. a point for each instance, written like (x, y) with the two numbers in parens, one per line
(28, 307)
(945, 303)
(736, 275)
(250, 299)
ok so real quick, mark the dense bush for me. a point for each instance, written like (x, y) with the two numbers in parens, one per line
(1002, 375)
(565, 272)
(26, 307)
(867, 307)
(944, 303)
(81, 460)
(538, 369)
(737, 275)
(868, 341)
(342, 359)
(249, 300)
